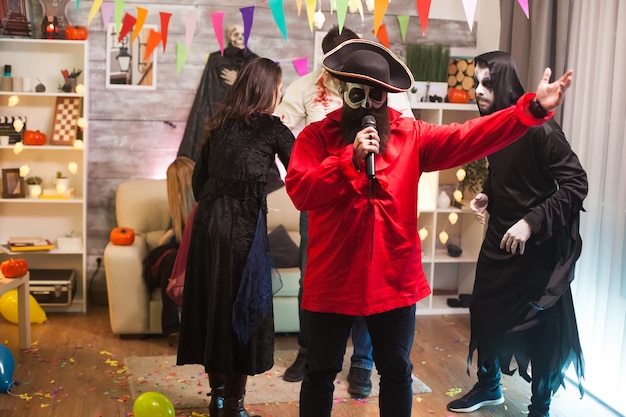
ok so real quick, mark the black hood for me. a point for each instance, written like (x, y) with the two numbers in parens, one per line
(507, 87)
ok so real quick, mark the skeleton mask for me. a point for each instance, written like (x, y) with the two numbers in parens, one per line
(235, 36)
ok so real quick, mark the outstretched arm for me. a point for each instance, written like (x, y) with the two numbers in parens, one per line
(550, 95)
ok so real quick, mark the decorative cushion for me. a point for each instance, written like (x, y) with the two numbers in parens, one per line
(283, 250)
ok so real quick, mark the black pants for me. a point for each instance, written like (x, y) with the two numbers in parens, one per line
(392, 338)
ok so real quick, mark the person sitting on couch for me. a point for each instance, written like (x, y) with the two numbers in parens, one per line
(160, 261)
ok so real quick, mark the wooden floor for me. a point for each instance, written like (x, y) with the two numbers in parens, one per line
(75, 368)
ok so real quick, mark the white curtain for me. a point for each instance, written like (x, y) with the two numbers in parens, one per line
(594, 120)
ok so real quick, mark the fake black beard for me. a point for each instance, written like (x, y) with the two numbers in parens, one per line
(352, 120)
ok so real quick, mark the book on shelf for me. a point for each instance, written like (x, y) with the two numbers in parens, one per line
(24, 244)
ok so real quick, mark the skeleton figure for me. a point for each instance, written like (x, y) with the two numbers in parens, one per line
(219, 74)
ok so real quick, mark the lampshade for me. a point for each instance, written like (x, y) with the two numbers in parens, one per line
(443, 237)
(123, 59)
(423, 233)
(460, 174)
(453, 218)
(458, 195)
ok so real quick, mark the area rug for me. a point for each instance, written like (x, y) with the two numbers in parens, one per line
(187, 386)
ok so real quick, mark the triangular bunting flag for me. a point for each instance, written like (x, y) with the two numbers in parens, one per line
(299, 5)
(403, 23)
(342, 9)
(356, 5)
(470, 12)
(190, 29)
(119, 10)
(301, 65)
(141, 19)
(218, 21)
(165, 23)
(154, 38)
(382, 35)
(247, 14)
(94, 9)
(77, 4)
(524, 4)
(276, 6)
(310, 12)
(181, 57)
(380, 8)
(127, 25)
(106, 11)
(423, 10)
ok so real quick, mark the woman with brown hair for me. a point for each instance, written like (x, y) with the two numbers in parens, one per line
(227, 321)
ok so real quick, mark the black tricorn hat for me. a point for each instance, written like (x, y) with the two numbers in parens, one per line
(362, 61)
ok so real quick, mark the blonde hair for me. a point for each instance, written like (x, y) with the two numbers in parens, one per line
(180, 193)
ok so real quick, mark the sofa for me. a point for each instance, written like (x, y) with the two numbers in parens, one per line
(142, 205)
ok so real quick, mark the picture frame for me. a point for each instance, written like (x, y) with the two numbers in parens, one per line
(125, 67)
(65, 122)
(15, 20)
(13, 186)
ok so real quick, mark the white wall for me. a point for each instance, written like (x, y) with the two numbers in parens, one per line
(487, 20)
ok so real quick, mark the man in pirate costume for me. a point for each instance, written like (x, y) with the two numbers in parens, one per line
(364, 250)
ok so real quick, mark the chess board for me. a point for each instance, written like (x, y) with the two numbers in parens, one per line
(67, 112)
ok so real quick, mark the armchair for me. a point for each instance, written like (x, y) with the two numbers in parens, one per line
(142, 205)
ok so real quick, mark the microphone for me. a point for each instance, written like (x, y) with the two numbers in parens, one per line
(370, 169)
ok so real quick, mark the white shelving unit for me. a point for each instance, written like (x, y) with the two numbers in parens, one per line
(42, 60)
(448, 276)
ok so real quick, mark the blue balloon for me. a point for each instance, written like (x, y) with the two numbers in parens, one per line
(7, 365)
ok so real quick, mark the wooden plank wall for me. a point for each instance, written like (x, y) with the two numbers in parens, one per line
(135, 134)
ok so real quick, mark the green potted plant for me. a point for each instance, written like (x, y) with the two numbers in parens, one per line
(34, 186)
(429, 66)
(61, 183)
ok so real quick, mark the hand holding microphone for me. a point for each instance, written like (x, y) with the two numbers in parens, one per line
(370, 168)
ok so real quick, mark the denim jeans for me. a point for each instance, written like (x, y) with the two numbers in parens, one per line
(489, 378)
(362, 357)
(392, 338)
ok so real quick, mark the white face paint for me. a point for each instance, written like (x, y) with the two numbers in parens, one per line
(359, 95)
(484, 90)
(235, 36)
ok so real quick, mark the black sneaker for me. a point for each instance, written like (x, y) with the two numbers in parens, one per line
(475, 399)
(359, 382)
(295, 373)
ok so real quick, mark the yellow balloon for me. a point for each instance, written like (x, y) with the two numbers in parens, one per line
(8, 308)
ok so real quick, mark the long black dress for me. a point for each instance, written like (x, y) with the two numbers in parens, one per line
(229, 183)
(524, 302)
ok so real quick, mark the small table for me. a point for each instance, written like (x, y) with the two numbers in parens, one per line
(23, 304)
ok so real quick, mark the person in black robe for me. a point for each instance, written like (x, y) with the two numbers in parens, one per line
(219, 74)
(522, 305)
(227, 320)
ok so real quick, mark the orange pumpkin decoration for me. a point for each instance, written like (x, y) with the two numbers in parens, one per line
(76, 33)
(34, 137)
(122, 236)
(456, 95)
(14, 268)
